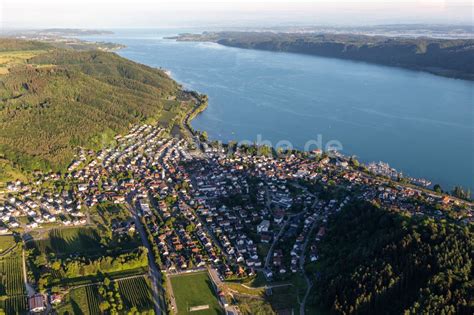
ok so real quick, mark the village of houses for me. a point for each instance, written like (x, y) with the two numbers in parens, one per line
(237, 213)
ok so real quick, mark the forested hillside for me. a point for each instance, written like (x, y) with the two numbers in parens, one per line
(452, 58)
(378, 262)
(56, 100)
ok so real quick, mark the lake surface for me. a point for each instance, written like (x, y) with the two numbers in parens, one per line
(419, 123)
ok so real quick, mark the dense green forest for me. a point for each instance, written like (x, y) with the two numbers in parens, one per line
(378, 262)
(452, 58)
(60, 99)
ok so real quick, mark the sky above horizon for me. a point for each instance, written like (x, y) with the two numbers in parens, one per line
(179, 13)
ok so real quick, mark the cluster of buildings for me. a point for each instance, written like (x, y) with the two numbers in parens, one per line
(240, 213)
(38, 207)
(383, 169)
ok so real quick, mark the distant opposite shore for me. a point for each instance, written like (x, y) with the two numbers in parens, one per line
(445, 57)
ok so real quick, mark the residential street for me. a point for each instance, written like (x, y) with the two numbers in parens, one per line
(154, 272)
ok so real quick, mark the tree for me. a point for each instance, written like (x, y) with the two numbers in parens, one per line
(459, 192)
(107, 282)
(55, 289)
(204, 136)
(104, 306)
(43, 282)
(190, 228)
(378, 261)
(56, 265)
(437, 188)
(354, 162)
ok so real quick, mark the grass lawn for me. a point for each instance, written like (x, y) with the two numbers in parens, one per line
(110, 207)
(250, 306)
(194, 290)
(6, 241)
(286, 298)
(69, 241)
(257, 281)
(245, 290)
(253, 285)
(7, 171)
(166, 117)
(169, 105)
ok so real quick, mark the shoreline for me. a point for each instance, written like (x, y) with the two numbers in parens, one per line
(326, 49)
(202, 104)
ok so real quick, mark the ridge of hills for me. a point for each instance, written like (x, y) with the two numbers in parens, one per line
(54, 100)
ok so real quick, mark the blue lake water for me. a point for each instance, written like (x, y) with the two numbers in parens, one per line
(419, 123)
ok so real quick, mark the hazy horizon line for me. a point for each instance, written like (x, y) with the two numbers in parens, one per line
(335, 25)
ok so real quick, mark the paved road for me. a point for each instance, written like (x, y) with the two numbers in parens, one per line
(309, 283)
(154, 271)
(29, 289)
(275, 240)
(169, 288)
(268, 202)
(230, 309)
(209, 233)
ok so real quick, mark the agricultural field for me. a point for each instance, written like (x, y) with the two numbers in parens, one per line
(86, 300)
(136, 293)
(59, 278)
(69, 241)
(14, 305)
(12, 289)
(80, 301)
(196, 289)
(77, 256)
(11, 276)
